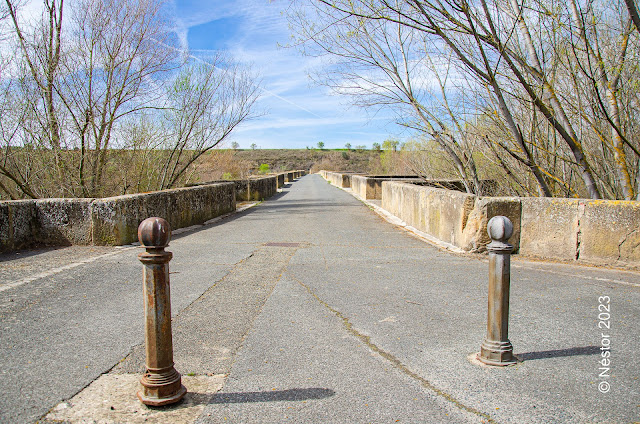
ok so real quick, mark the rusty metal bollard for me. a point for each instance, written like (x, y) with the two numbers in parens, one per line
(496, 348)
(161, 384)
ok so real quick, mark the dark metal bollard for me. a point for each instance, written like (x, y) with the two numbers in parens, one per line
(496, 348)
(161, 384)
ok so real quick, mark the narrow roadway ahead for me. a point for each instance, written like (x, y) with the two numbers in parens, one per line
(318, 310)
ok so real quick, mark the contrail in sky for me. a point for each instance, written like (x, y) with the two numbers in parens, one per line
(184, 52)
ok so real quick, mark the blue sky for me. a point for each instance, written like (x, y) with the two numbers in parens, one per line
(298, 114)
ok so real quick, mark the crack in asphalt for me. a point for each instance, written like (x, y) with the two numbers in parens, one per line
(395, 362)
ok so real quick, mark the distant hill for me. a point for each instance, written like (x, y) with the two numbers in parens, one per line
(287, 159)
(229, 164)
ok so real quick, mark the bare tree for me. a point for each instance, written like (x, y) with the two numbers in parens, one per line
(207, 101)
(41, 52)
(633, 13)
(97, 93)
(32, 108)
(602, 61)
(121, 47)
(75, 88)
(384, 64)
(522, 66)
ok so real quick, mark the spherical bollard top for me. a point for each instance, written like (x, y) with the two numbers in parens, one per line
(154, 233)
(500, 229)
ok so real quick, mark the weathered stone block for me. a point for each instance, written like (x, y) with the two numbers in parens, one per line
(549, 227)
(262, 188)
(63, 222)
(359, 185)
(224, 200)
(446, 213)
(610, 232)
(18, 224)
(454, 217)
(187, 206)
(115, 219)
(339, 179)
(440, 213)
(370, 186)
(256, 189)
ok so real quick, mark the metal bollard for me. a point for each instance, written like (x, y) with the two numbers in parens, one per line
(496, 348)
(161, 384)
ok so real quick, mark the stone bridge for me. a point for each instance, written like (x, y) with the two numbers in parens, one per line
(312, 307)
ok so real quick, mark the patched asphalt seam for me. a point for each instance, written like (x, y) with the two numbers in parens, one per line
(395, 362)
(234, 354)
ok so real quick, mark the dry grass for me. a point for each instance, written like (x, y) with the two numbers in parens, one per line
(222, 165)
(228, 164)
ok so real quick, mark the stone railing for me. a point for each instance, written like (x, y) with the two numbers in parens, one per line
(340, 179)
(599, 232)
(252, 189)
(115, 220)
(293, 175)
(590, 231)
(369, 187)
(457, 218)
(107, 221)
(287, 177)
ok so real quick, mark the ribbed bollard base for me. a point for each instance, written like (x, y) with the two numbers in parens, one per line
(497, 353)
(158, 390)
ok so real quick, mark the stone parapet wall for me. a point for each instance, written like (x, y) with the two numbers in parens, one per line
(252, 189)
(589, 231)
(287, 177)
(291, 176)
(280, 179)
(60, 220)
(255, 189)
(24, 223)
(16, 223)
(115, 220)
(336, 179)
(488, 187)
(369, 187)
(107, 221)
(549, 227)
(599, 232)
(340, 179)
(443, 214)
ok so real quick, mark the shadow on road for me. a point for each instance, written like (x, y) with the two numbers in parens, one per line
(573, 351)
(27, 253)
(273, 396)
